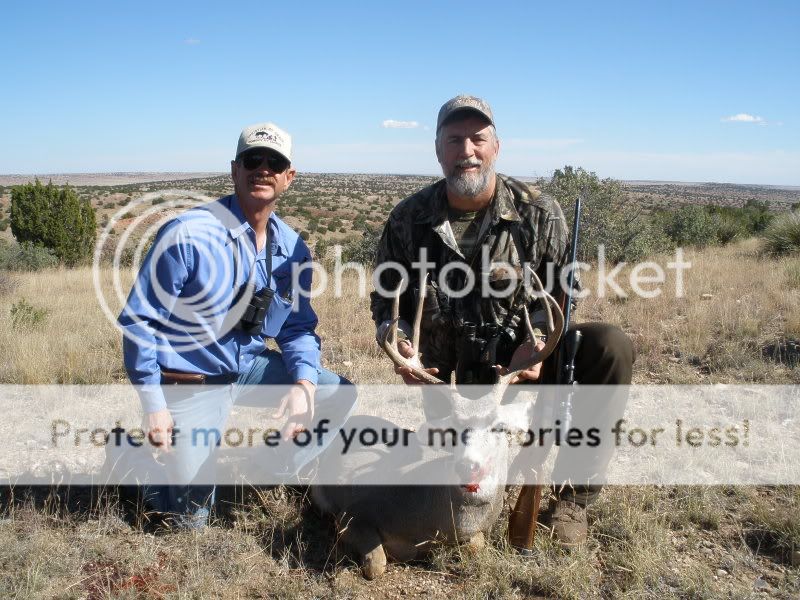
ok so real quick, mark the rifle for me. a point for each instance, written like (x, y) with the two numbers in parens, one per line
(523, 518)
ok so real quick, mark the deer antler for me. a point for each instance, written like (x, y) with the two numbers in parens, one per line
(555, 326)
(388, 340)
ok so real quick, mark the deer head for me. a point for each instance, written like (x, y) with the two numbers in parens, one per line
(478, 429)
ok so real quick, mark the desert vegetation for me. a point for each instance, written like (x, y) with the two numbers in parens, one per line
(737, 323)
(632, 219)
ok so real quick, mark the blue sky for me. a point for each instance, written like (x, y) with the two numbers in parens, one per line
(692, 91)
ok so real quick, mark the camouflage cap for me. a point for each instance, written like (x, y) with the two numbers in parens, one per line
(461, 103)
(265, 135)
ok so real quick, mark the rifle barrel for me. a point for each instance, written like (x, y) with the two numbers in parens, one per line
(573, 255)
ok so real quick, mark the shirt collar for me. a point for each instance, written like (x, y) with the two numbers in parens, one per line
(435, 211)
(237, 224)
(503, 202)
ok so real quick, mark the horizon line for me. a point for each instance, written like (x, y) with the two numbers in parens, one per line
(200, 174)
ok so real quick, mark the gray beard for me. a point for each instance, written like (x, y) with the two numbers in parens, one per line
(469, 185)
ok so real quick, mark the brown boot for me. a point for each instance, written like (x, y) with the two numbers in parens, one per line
(567, 521)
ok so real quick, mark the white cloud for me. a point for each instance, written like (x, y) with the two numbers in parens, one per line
(392, 124)
(743, 118)
(191, 41)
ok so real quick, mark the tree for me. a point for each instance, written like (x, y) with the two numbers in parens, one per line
(609, 217)
(54, 218)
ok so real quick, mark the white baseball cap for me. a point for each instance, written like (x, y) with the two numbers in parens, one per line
(265, 135)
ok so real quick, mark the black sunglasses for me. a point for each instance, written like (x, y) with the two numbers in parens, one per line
(275, 162)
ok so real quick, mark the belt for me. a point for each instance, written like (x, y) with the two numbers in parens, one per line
(183, 378)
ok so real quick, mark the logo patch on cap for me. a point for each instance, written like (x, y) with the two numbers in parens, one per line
(265, 135)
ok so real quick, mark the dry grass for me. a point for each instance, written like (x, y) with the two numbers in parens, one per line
(74, 344)
(646, 542)
(753, 302)
(8, 283)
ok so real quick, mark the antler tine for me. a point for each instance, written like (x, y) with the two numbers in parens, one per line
(554, 326)
(418, 315)
(389, 338)
(548, 312)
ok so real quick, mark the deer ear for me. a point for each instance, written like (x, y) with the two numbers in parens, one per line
(514, 417)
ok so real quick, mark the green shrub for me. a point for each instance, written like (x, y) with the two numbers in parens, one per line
(321, 248)
(363, 249)
(25, 315)
(690, 226)
(730, 228)
(757, 216)
(54, 218)
(3, 225)
(783, 235)
(609, 216)
(26, 257)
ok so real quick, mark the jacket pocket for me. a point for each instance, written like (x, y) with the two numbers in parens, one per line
(277, 314)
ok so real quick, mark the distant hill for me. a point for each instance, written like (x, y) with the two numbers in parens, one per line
(668, 194)
(101, 179)
(340, 206)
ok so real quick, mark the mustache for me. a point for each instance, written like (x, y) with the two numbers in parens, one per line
(465, 164)
(267, 178)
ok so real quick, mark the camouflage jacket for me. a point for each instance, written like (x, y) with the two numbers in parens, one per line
(421, 222)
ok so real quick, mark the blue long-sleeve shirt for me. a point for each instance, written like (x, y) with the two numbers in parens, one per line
(181, 310)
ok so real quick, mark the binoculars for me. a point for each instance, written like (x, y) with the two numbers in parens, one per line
(255, 312)
(478, 349)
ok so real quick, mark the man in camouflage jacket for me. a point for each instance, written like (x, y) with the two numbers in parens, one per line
(421, 222)
(471, 229)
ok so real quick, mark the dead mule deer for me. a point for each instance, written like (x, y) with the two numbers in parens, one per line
(403, 519)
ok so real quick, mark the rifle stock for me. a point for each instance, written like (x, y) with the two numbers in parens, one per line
(524, 516)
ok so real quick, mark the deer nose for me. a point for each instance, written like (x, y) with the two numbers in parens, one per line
(468, 471)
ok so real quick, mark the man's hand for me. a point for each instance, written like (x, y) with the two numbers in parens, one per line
(520, 353)
(407, 351)
(298, 404)
(158, 426)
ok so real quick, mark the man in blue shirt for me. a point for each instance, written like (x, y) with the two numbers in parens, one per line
(218, 281)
